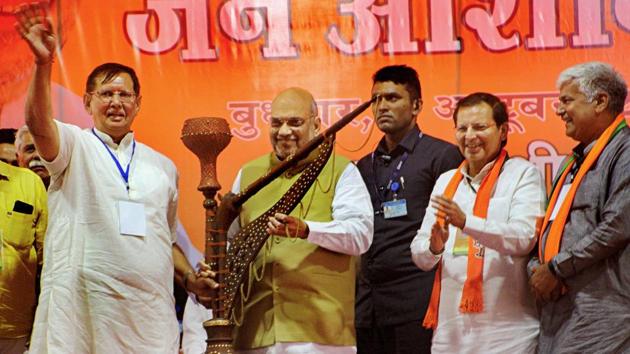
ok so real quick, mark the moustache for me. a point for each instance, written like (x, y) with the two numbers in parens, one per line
(36, 163)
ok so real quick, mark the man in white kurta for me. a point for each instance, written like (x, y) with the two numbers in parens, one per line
(508, 322)
(98, 284)
(110, 256)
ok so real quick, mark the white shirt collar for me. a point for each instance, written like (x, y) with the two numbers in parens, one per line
(479, 177)
(125, 143)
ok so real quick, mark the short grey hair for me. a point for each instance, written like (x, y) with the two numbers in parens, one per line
(19, 135)
(596, 77)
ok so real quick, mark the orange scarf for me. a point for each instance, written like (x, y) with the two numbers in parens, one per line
(472, 296)
(554, 238)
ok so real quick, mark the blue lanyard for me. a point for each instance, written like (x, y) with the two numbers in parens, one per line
(123, 173)
(393, 184)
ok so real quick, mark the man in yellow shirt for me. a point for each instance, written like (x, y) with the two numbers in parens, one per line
(23, 219)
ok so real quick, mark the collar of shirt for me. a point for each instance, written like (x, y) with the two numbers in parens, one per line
(5, 171)
(580, 151)
(476, 181)
(122, 150)
(408, 143)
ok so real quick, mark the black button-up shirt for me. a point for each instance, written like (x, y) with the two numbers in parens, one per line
(390, 288)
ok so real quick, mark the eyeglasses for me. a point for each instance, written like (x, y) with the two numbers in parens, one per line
(108, 96)
(293, 122)
(476, 128)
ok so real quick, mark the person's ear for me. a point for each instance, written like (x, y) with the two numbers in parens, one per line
(137, 106)
(317, 124)
(417, 106)
(602, 101)
(87, 100)
(503, 131)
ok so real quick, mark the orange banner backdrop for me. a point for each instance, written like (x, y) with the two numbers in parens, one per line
(229, 58)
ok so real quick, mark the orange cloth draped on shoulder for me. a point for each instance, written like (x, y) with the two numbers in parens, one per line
(472, 296)
(551, 245)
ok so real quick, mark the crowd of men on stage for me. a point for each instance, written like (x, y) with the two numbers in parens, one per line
(420, 246)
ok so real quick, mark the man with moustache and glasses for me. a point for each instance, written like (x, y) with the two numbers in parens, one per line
(110, 252)
(307, 267)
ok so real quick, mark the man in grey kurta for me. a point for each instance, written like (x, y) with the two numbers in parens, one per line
(585, 288)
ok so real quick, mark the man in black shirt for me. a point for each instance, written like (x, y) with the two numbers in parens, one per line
(392, 293)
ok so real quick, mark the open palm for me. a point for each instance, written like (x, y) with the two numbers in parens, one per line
(36, 28)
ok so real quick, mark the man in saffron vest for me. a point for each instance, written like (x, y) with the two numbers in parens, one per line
(303, 302)
(581, 273)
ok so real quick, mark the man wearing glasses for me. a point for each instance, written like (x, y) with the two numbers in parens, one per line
(110, 253)
(301, 300)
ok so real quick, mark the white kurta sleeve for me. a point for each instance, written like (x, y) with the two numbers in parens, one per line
(516, 236)
(67, 137)
(420, 252)
(352, 228)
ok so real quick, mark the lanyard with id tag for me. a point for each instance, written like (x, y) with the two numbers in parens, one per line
(395, 207)
(131, 215)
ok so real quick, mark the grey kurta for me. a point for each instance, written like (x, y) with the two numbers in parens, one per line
(594, 262)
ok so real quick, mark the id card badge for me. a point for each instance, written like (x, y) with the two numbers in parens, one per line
(132, 218)
(394, 208)
(559, 201)
(460, 248)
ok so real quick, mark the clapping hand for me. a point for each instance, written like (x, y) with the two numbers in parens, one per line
(448, 209)
(439, 236)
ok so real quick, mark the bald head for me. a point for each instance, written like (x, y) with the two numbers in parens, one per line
(292, 98)
(294, 121)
